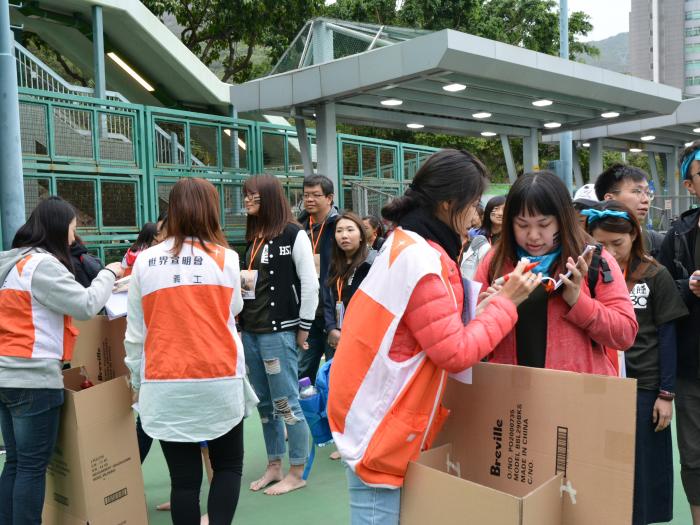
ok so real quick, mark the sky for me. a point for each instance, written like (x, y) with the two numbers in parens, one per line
(609, 17)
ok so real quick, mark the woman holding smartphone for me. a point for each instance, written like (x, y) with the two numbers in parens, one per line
(568, 328)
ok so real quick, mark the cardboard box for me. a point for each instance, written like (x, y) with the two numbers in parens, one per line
(94, 476)
(516, 435)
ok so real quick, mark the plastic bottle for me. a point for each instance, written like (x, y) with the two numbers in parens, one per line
(306, 389)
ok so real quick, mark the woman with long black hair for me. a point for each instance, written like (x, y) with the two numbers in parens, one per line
(39, 296)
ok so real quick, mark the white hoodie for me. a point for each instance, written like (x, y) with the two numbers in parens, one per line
(54, 287)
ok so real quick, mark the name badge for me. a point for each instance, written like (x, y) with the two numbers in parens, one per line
(249, 279)
(339, 314)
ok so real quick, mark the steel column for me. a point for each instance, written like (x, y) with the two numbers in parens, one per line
(326, 144)
(565, 145)
(12, 213)
(508, 155)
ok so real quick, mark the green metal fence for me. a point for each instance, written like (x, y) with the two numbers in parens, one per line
(116, 162)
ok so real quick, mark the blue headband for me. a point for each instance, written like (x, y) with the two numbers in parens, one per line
(596, 215)
(686, 163)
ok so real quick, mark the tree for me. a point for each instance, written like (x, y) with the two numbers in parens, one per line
(228, 32)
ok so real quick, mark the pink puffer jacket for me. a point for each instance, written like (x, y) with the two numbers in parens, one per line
(432, 322)
(609, 320)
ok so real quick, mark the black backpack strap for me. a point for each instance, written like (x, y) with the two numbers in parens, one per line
(598, 264)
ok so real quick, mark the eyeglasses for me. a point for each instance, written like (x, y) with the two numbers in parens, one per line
(313, 195)
(251, 197)
(639, 193)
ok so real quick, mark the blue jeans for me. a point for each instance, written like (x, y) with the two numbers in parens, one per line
(271, 360)
(372, 505)
(29, 420)
(310, 359)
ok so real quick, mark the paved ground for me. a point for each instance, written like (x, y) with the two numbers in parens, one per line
(323, 501)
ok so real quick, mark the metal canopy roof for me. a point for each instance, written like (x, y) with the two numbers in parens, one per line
(501, 79)
(138, 37)
(669, 131)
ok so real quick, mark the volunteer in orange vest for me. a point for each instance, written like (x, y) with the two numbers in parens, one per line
(38, 297)
(571, 327)
(281, 294)
(185, 356)
(404, 331)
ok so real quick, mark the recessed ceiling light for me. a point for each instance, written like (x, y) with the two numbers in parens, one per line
(635, 150)
(488, 134)
(586, 144)
(647, 138)
(552, 125)
(610, 114)
(391, 102)
(481, 114)
(696, 130)
(453, 88)
(415, 125)
(542, 103)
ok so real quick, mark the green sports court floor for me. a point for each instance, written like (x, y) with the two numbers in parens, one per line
(323, 501)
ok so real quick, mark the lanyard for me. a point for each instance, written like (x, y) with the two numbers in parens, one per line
(339, 287)
(314, 244)
(256, 249)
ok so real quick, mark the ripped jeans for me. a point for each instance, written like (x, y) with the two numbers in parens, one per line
(271, 360)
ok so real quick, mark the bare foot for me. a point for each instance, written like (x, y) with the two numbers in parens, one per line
(163, 506)
(289, 483)
(272, 474)
(335, 455)
(204, 520)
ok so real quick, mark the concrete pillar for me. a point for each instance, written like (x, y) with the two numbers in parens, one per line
(531, 161)
(508, 156)
(576, 165)
(653, 171)
(12, 213)
(326, 144)
(595, 160)
(304, 147)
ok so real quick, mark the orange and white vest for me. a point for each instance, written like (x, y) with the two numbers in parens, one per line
(27, 328)
(187, 300)
(383, 413)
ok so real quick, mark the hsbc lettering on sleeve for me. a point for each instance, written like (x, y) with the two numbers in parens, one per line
(640, 296)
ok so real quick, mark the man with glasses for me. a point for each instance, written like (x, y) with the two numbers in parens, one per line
(630, 186)
(680, 253)
(318, 219)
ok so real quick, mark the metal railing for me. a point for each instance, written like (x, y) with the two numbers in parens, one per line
(32, 73)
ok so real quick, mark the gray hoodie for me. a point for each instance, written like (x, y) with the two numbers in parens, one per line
(54, 287)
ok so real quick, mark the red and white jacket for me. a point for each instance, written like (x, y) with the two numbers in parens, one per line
(402, 334)
(608, 320)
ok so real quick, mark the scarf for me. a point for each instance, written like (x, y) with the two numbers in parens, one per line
(433, 229)
(546, 261)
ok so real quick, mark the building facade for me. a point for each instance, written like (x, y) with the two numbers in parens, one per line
(664, 43)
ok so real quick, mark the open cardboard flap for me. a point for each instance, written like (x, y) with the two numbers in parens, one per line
(514, 428)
